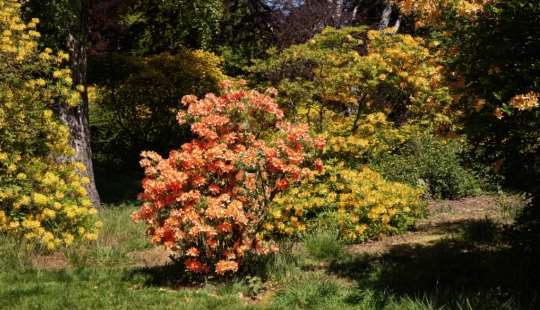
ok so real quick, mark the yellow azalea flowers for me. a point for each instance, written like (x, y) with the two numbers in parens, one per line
(41, 198)
(361, 203)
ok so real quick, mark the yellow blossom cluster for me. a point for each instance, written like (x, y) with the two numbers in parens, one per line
(359, 202)
(430, 11)
(390, 74)
(373, 135)
(41, 197)
(407, 62)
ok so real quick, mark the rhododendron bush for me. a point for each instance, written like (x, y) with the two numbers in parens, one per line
(209, 200)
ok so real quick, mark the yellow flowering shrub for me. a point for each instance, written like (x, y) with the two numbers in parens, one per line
(357, 72)
(359, 202)
(41, 196)
(372, 135)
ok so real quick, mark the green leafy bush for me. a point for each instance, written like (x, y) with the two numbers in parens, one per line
(135, 101)
(431, 160)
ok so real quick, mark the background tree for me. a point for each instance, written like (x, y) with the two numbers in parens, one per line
(246, 32)
(353, 72)
(104, 28)
(138, 98)
(153, 27)
(64, 27)
(499, 67)
(491, 50)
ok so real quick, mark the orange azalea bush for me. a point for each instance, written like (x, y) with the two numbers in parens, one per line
(209, 200)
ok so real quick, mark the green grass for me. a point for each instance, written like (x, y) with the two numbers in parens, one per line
(106, 289)
(324, 245)
(471, 270)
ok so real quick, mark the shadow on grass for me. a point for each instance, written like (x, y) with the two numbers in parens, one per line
(460, 227)
(473, 271)
(171, 276)
(174, 276)
(442, 228)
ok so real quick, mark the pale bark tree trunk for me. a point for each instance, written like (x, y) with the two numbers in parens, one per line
(355, 11)
(77, 117)
(336, 16)
(385, 18)
(397, 24)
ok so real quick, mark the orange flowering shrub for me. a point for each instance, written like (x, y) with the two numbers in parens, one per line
(209, 200)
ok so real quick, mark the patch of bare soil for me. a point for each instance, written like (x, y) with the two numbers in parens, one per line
(155, 256)
(56, 260)
(445, 219)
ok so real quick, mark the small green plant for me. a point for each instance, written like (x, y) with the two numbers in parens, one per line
(437, 161)
(254, 284)
(311, 292)
(444, 208)
(510, 206)
(15, 253)
(483, 231)
(107, 255)
(324, 245)
(77, 258)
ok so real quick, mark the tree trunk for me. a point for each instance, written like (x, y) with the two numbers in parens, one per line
(385, 18)
(337, 6)
(355, 11)
(76, 117)
(397, 24)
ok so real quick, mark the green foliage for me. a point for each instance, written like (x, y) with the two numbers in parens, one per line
(254, 284)
(137, 99)
(154, 27)
(41, 194)
(56, 20)
(433, 160)
(245, 34)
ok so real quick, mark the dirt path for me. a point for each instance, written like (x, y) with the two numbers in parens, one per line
(445, 219)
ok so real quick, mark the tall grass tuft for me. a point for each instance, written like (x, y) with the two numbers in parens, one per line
(324, 245)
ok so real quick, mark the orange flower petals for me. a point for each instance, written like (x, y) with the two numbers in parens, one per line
(209, 196)
(223, 266)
